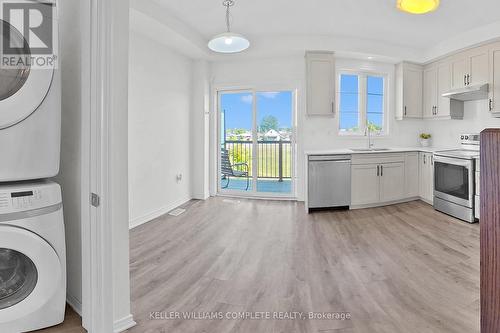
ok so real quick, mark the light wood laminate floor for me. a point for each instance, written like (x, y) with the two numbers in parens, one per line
(403, 268)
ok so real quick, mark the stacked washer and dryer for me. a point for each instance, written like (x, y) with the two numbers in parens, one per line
(32, 242)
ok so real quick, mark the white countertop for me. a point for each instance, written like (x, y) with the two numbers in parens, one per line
(347, 151)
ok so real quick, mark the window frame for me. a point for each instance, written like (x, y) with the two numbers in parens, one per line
(362, 102)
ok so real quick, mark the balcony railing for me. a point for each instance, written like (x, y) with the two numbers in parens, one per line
(274, 158)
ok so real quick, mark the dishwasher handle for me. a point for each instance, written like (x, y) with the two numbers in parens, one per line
(320, 158)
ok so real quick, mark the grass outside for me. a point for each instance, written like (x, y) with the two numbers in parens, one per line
(267, 157)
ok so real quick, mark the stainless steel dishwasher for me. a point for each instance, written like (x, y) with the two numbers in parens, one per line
(329, 181)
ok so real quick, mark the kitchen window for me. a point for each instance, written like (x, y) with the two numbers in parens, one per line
(362, 103)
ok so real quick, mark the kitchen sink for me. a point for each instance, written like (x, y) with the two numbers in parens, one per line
(369, 149)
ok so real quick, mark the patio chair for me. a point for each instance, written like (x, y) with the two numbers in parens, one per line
(228, 169)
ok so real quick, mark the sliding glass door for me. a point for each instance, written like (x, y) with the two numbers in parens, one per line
(256, 156)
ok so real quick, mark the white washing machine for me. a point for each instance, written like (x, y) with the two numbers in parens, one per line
(32, 256)
(30, 114)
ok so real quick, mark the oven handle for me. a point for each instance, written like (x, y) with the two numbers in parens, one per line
(453, 161)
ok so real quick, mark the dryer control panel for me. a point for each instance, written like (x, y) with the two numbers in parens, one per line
(28, 196)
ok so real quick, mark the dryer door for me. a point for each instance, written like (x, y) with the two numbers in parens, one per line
(22, 88)
(30, 272)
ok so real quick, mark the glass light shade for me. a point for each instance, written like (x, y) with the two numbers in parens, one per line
(228, 42)
(418, 6)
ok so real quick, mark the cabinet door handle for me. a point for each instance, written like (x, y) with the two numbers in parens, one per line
(468, 79)
(405, 111)
(432, 159)
(333, 108)
(378, 170)
(381, 171)
(425, 159)
(465, 80)
(491, 104)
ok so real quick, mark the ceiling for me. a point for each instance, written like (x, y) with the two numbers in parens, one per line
(353, 27)
(374, 20)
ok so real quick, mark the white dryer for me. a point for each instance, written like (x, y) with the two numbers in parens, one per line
(32, 256)
(30, 114)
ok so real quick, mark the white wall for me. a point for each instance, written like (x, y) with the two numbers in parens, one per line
(313, 133)
(71, 140)
(200, 128)
(446, 133)
(160, 97)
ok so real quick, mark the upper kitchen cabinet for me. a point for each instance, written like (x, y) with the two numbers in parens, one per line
(437, 80)
(320, 72)
(494, 97)
(409, 85)
(470, 68)
(430, 91)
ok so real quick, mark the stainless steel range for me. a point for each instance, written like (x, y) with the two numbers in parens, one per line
(454, 179)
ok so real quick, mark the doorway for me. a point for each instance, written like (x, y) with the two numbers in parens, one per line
(256, 155)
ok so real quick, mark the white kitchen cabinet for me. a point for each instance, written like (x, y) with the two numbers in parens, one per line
(411, 175)
(443, 109)
(470, 68)
(494, 98)
(437, 80)
(320, 73)
(426, 174)
(392, 180)
(458, 71)
(365, 188)
(377, 179)
(478, 66)
(430, 91)
(409, 94)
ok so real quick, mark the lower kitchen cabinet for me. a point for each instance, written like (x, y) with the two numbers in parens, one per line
(377, 183)
(378, 179)
(412, 181)
(365, 188)
(426, 172)
(392, 181)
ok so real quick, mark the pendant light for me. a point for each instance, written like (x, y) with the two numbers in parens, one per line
(418, 6)
(228, 42)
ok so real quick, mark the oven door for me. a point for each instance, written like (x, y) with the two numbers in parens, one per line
(454, 180)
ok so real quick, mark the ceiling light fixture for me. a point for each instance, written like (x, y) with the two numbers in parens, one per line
(418, 6)
(228, 42)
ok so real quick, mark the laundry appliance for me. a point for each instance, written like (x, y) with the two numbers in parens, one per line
(30, 108)
(32, 256)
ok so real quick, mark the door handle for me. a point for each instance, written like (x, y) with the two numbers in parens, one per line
(381, 171)
(378, 170)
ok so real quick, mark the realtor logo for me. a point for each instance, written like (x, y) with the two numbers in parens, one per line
(28, 34)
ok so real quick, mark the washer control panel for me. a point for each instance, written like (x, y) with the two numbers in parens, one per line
(24, 197)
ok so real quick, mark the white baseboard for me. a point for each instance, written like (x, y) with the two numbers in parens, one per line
(123, 324)
(74, 303)
(156, 213)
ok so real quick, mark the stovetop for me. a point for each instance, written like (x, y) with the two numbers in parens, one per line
(460, 153)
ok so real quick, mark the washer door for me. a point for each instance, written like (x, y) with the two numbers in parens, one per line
(22, 89)
(30, 272)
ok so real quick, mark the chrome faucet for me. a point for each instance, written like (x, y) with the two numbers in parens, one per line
(368, 133)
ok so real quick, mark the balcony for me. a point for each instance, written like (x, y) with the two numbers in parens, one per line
(273, 166)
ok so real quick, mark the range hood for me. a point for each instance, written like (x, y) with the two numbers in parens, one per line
(471, 93)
